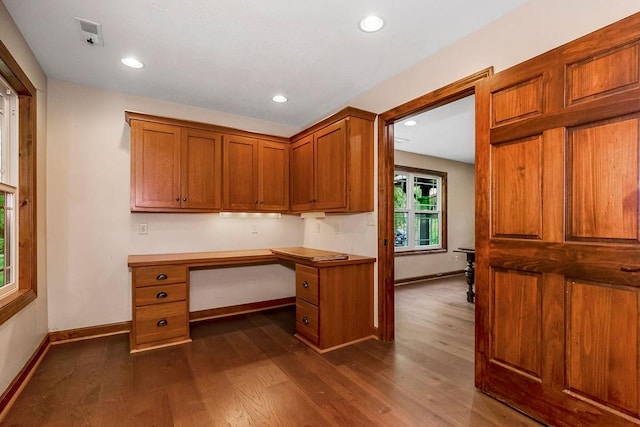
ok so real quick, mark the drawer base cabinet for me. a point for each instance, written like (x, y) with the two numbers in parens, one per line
(160, 315)
(334, 305)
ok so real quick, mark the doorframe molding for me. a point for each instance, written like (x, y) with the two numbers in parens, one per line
(439, 97)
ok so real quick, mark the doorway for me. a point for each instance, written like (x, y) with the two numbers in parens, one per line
(386, 166)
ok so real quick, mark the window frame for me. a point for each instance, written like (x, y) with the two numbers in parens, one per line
(25, 203)
(412, 250)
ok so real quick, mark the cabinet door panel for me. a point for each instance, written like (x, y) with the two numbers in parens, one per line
(201, 169)
(240, 173)
(273, 176)
(301, 183)
(331, 167)
(156, 163)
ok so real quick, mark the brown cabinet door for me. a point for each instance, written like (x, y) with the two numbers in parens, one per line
(558, 233)
(273, 177)
(240, 173)
(201, 169)
(330, 167)
(301, 181)
(155, 153)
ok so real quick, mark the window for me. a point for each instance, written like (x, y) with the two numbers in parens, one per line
(8, 161)
(17, 187)
(419, 210)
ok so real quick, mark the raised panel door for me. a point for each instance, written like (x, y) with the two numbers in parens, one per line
(301, 179)
(558, 232)
(201, 169)
(273, 177)
(330, 167)
(155, 150)
(240, 173)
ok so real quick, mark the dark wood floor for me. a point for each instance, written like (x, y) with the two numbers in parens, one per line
(250, 370)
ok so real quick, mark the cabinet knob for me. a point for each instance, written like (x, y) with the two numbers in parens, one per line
(184, 200)
(305, 284)
(161, 277)
(162, 322)
(162, 295)
(305, 320)
(177, 199)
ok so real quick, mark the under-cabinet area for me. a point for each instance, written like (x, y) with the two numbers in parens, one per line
(334, 294)
(184, 166)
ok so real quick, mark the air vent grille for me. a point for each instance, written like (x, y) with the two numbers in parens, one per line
(90, 32)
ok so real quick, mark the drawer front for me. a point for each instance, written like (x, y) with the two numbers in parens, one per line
(161, 322)
(160, 294)
(307, 320)
(307, 283)
(149, 276)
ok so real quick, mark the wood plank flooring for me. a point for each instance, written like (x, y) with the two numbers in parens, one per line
(250, 370)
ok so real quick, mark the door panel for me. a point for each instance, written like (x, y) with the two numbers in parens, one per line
(330, 151)
(240, 182)
(603, 169)
(201, 169)
(558, 231)
(301, 184)
(274, 177)
(603, 338)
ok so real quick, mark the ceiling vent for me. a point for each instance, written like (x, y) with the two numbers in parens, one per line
(90, 32)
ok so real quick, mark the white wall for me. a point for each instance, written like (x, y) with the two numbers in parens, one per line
(21, 334)
(94, 231)
(460, 217)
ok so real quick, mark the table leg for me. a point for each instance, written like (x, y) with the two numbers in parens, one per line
(469, 273)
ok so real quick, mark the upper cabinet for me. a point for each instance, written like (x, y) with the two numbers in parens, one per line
(332, 164)
(256, 174)
(174, 168)
(184, 166)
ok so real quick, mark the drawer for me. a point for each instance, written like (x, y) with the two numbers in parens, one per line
(160, 294)
(161, 322)
(307, 283)
(148, 276)
(307, 320)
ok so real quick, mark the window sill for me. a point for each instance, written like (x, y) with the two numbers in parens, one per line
(420, 252)
(15, 302)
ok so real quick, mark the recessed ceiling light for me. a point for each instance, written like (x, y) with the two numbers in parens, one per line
(371, 24)
(132, 62)
(410, 123)
(280, 99)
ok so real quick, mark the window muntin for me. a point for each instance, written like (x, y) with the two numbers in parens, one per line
(418, 210)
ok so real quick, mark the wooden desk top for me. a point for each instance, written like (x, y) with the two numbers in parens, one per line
(308, 256)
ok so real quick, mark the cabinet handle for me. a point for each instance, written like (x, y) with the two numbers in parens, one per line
(162, 322)
(161, 295)
(305, 284)
(161, 277)
(177, 199)
(305, 320)
(184, 200)
(629, 269)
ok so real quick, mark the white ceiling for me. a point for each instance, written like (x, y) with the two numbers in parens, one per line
(233, 56)
(447, 132)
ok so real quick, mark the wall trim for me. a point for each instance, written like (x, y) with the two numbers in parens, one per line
(20, 381)
(410, 280)
(215, 313)
(69, 335)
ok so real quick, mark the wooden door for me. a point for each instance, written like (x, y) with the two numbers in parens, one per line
(330, 167)
(201, 169)
(273, 177)
(301, 180)
(558, 236)
(155, 154)
(240, 169)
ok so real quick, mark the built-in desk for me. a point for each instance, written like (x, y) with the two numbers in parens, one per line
(334, 294)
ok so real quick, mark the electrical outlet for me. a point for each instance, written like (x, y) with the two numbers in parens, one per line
(317, 227)
(254, 228)
(371, 220)
(336, 227)
(142, 228)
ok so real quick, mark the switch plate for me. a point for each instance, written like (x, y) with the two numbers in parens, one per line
(254, 228)
(371, 219)
(142, 228)
(317, 227)
(336, 227)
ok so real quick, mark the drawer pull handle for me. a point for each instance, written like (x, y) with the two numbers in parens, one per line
(162, 322)
(161, 277)
(305, 320)
(630, 269)
(305, 284)
(161, 295)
